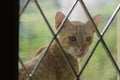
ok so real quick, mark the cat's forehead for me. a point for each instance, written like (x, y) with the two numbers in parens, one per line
(78, 23)
(78, 26)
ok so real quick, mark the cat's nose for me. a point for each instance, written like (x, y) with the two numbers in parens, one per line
(82, 50)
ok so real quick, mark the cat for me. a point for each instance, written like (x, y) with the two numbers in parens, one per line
(75, 38)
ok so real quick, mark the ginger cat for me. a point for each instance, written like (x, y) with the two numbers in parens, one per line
(75, 38)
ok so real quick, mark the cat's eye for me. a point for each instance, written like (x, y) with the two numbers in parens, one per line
(72, 38)
(88, 38)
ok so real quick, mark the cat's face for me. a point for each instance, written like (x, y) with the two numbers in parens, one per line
(76, 37)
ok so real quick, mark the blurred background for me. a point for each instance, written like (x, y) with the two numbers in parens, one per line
(34, 33)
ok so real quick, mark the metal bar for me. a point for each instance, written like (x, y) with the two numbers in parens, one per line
(89, 17)
(110, 20)
(86, 62)
(24, 8)
(108, 25)
(41, 11)
(40, 60)
(22, 64)
(66, 17)
(112, 59)
(99, 35)
(102, 34)
(104, 31)
(59, 29)
(77, 77)
(66, 58)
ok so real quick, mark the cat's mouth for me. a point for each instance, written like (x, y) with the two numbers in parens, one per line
(82, 54)
(77, 53)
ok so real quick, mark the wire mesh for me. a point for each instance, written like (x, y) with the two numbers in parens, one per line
(100, 36)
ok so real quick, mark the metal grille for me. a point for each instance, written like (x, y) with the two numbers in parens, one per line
(99, 34)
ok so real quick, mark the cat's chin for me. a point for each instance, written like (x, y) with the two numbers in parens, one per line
(80, 55)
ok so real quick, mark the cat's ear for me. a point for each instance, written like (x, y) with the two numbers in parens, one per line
(58, 19)
(96, 19)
